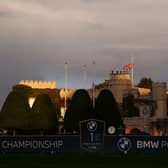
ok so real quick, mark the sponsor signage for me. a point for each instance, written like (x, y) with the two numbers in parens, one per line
(92, 135)
(135, 144)
(54, 144)
(76, 144)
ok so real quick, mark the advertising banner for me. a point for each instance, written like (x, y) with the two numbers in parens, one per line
(92, 135)
(54, 144)
(76, 144)
(135, 144)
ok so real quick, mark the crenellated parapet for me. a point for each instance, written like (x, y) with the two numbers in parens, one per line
(68, 93)
(120, 75)
(39, 84)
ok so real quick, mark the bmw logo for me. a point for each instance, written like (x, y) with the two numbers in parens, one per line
(92, 126)
(124, 144)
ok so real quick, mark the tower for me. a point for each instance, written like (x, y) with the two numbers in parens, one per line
(119, 82)
(159, 95)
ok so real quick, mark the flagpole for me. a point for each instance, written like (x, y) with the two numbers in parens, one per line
(84, 76)
(93, 85)
(132, 71)
(65, 69)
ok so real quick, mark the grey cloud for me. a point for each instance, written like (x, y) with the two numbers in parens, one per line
(108, 31)
(7, 14)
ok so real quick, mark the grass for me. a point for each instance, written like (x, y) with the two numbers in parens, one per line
(82, 160)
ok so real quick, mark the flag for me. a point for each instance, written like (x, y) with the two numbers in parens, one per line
(128, 67)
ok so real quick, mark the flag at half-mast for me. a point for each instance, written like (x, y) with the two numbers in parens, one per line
(128, 67)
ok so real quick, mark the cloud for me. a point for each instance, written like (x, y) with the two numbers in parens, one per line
(7, 14)
(37, 37)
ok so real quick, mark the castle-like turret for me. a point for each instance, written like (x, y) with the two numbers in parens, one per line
(39, 84)
(118, 83)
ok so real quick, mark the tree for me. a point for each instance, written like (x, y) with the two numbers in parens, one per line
(22, 89)
(44, 115)
(15, 110)
(167, 104)
(100, 85)
(129, 108)
(145, 83)
(106, 108)
(80, 108)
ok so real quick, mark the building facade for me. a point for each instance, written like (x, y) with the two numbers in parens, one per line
(152, 105)
(152, 119)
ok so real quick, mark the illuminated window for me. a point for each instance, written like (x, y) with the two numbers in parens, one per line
(62, 112)
(31, 101)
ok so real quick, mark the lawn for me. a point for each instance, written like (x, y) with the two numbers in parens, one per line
(82, 160)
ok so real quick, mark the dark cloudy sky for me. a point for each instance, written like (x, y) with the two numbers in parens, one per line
(38, 36)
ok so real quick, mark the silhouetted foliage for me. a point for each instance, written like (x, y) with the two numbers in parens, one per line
(15, 111)
(106, 108)
(100, 85)
(167, 104)
(129, 108)
(145, 83)
(80, 108)
(44, 116)
(23, 89)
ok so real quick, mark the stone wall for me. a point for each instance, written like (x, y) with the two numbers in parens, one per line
(159, 95)
(142, 123)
